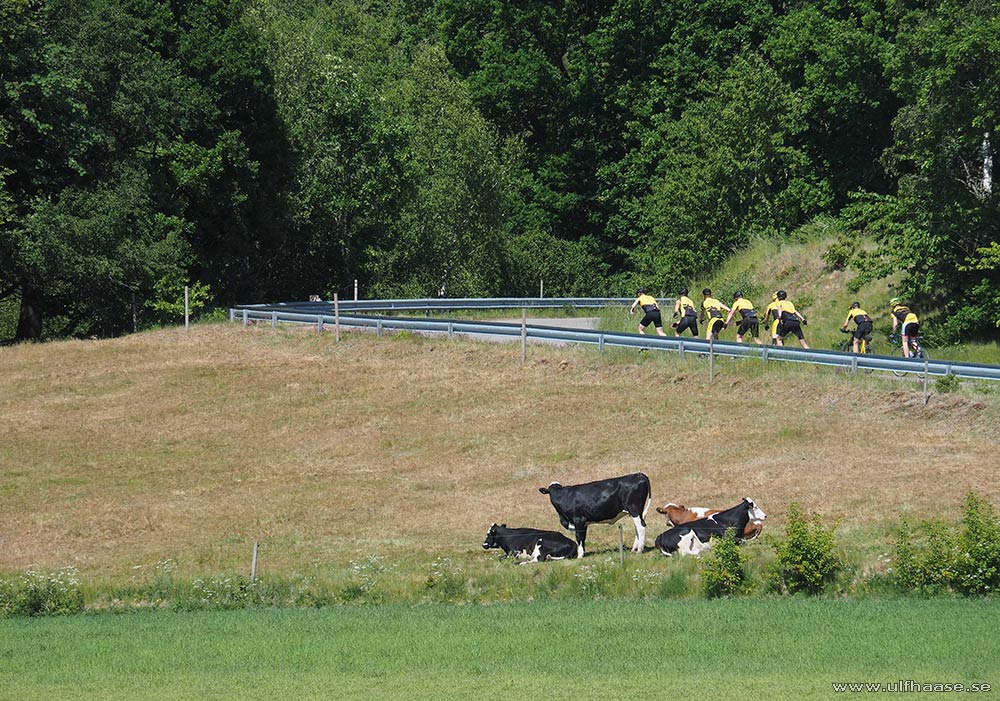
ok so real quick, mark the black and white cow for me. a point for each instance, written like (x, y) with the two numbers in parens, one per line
(695, 536)
(530, 543)
(603, 501)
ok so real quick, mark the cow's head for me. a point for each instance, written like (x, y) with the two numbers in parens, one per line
(667, 507)
(756, 513)
(491, 537)
(547, 490)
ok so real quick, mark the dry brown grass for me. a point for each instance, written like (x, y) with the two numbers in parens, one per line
(116, 454)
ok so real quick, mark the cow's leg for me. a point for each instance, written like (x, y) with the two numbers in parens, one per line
(640, 534)
(581, 537)
(689, 544)
(533, 555)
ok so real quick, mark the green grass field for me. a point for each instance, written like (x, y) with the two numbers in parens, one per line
(771, 648)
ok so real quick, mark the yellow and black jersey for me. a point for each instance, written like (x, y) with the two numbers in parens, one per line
(858, 316)
(786, 310)
(713, 308)
(745, 308)
(904, 315)
(647, 303)
(685, 306)
(771, 312)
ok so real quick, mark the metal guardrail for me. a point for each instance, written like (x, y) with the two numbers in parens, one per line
(447, 304)
(319, 314)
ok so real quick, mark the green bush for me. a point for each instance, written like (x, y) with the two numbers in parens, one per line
(41, 593)
(935, 557)
(925, 555)
(806, 559)
(723, 572)
(947, 384)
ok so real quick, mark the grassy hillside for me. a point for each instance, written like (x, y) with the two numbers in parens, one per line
(119, 455)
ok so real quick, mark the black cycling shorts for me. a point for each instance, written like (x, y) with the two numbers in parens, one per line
(864, 329)
(715, 324)
(688, 322)
(910, 330)
(652, 317)
(749, 324)
(790, 326)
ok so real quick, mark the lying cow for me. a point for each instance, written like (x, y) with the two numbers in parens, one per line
(530, 543)
(678, 513)
(603, 501)
(695, 536)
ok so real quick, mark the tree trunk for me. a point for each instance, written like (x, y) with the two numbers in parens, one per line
(29, 324)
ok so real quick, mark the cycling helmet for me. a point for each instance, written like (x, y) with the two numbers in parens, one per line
(707, 292)
(640, 291)
(737, 294)
(782, 294)
(894, 301)
(855, 305)
(682, 291)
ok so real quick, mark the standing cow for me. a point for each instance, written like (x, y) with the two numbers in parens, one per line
(603, 501)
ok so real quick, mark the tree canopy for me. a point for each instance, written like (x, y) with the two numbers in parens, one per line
(279, 148)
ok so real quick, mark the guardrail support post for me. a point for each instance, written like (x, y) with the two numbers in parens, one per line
(336, 316)
(711, 361)
(378, 328)
(232, 314)
(926, 373)
(680, 348)
(451, 329)
(524, 334)
(244, 317)
(600, 343)
(274, 320)
(854, 364)
(319, 324)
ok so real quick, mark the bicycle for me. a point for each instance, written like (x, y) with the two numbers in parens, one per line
(864, 344)
(917, 351)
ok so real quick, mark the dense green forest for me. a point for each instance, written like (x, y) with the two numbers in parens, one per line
(272, 149)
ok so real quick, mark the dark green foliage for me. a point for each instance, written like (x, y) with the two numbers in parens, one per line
(275, 149)
(807, 561)
(936, 557)
(723, 572)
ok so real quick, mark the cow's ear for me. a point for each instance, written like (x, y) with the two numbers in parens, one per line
(503, 525)
(543, 490)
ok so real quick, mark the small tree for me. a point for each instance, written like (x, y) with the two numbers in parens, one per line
(723, 573)
(806, 558)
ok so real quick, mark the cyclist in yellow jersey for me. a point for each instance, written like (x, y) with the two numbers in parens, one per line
(748, 321)
(789, 320)
(651, 312)
(904, 317)
(771, 318)
(713, 311)
(864, 324)
(685, 314)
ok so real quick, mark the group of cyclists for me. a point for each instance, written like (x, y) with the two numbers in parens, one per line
(781, 318)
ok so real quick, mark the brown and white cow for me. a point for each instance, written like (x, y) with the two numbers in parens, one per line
(678, 513)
